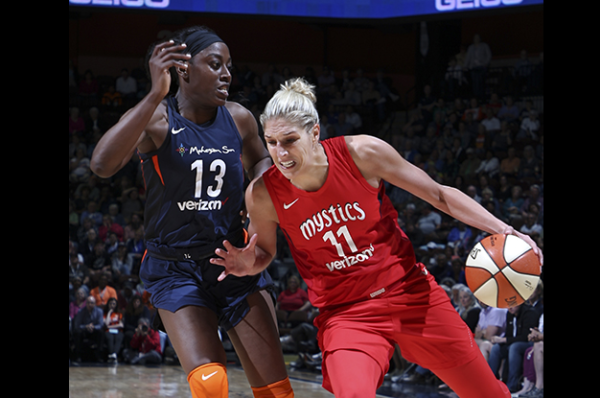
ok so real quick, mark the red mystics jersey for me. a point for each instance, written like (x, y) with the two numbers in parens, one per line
(344, 237)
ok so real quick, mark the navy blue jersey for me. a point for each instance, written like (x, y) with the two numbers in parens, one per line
(194, 184)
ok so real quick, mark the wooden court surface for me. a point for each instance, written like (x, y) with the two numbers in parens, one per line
(128, 381)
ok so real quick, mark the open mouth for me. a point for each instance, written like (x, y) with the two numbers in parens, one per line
(224, 90)
(287, 165)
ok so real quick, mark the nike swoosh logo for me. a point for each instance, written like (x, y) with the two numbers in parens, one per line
(287, 206)
(173, 131)
(204, 378)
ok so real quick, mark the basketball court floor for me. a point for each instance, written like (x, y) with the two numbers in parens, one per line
(153, 381)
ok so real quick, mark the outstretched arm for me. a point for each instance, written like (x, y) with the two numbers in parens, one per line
(377, 160)
(262, 247)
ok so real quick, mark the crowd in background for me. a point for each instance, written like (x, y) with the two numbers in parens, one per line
(485, 140)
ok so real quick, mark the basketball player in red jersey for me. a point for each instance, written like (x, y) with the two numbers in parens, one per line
(360, 268)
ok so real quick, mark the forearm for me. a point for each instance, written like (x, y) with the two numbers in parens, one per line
(263, 259)
(260, 167)
(117, 145)
(463, 208)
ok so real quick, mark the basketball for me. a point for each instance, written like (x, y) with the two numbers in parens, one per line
(502, 270)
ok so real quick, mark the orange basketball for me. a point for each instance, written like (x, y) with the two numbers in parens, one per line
(502, 270)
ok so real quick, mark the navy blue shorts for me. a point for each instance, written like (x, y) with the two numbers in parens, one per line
(174, 284)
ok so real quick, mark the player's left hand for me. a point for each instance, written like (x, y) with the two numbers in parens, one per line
(510, 230)
(237, 261)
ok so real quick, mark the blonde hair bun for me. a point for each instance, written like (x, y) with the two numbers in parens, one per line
(300, 86)
(295, 102)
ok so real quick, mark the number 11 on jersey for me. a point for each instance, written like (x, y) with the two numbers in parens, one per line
(343, 230)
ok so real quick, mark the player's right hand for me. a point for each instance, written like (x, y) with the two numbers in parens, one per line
(164, 56)
(237, 261)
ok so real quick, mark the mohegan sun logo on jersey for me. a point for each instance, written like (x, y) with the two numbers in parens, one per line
(181, 150)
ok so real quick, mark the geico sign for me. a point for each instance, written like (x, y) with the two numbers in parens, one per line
(448, 5)
(126, 3)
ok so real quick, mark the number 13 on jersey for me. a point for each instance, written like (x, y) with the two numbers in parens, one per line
(217, 165)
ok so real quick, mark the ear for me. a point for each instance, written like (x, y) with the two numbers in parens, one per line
(182, 73)
(316, 132)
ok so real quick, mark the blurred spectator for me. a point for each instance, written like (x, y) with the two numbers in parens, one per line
(509, 166)
(133, 225)
(531, 227)
(121, 263)
(126, 84)
(92, 213)
(111, 98)
(429, 223)
(76, 146)
(519, 321)
(113, 332)
(522, 71)
(117, 217)
(454, 79)
(490, 166)
(471, 192)
(131, 203)
(469, 308)
(534, 196)
(468, 168)
(501, 141)
(78, 269)
(529, 166)
(87, 330)
(490, 121)
(511, 209)
(93, 121)
(509, 111)
(475, 110)
(78, 303)
(98, 262)
(133, 312)
(76, 122)
(529, 128)
(136, 248)
(290, 302)
(109, 226)
(477, 62)
(427, 103)
(144, 347)
(533, 364)
(492, 322)
(459, 237)
(88, 86)
(103, 292)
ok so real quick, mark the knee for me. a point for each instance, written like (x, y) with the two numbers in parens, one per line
(209, 381)
(280, 389)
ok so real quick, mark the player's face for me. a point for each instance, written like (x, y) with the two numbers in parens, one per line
(290, 146)
(210, 74)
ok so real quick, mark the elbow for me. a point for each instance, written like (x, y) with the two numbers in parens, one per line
(100, 169)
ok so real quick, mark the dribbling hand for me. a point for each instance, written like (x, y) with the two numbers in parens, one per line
(237, 261)
(511, 231)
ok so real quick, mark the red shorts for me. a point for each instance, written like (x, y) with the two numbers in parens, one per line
(416, 314)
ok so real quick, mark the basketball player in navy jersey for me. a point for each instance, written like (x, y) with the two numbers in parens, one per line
(195, 147)
(328, 197)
